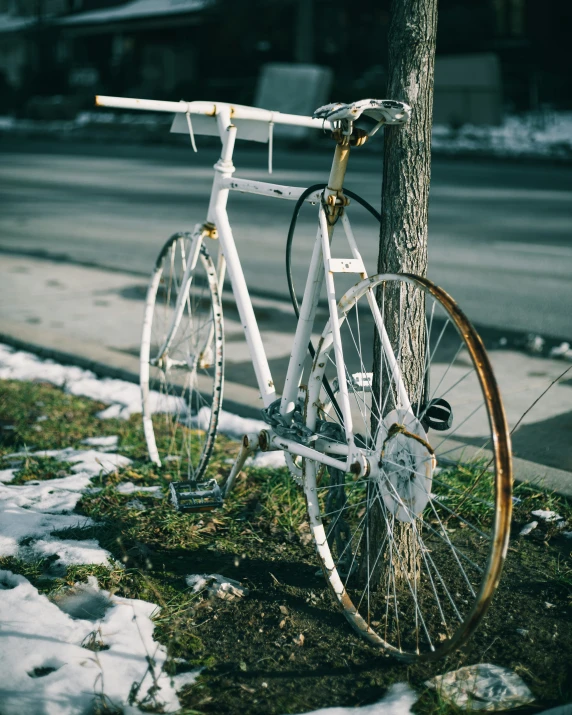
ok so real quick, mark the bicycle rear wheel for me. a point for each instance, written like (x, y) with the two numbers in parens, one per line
(413, 544)
(182, 374)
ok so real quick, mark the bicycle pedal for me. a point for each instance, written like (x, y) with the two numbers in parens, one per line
(193, 497)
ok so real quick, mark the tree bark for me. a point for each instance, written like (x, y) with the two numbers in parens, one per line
(403, 237)
(407, 151)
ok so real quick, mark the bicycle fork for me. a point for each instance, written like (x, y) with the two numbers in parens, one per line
(190, 263)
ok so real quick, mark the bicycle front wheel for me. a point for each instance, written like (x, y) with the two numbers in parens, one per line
(182, 360)
(413, 541)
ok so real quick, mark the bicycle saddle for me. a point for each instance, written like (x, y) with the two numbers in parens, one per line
(387, 111)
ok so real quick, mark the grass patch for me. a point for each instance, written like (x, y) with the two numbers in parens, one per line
(260, 538)
(529, 498)
(466, 489)
(45, 417)
(33, 468)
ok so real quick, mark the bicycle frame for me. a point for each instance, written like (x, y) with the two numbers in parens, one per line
(323, 268)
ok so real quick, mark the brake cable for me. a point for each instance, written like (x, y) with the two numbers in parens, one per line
(290, 280)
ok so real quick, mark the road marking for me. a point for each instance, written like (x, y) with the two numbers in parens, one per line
(534, 248)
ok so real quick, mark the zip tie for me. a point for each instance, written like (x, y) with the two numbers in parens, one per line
(397, 428)
(189, 124)
(270, 142)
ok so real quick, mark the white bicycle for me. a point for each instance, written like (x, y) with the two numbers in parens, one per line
(395, 432)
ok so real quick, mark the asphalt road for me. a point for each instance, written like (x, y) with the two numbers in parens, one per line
(500, 234)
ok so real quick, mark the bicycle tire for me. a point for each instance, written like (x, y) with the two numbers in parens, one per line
(412, 554)
(182, 392)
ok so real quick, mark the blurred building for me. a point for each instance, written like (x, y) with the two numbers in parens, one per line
(468, 89)
(529, 39)
(73, 48)
(55, 54)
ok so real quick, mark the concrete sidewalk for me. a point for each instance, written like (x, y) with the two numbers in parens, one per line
(92, 317)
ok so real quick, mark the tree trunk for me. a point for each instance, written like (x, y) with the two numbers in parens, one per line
(403, 239)
(407, 152)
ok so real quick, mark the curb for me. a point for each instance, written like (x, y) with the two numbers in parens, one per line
(237, 398)
(109, 363)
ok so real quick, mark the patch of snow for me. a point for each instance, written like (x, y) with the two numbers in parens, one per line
(36, 509)
(136, 504)
(53, 674)
(44, 670)
(105, 444)
(235, 426)
(197, 582)
(20, 365)
(51, 495)
(528, 135)
(183, 679)
(398, 700)
(482, 687)
(229, 424)
(130, 488)
(84, 601)
(268, 460)
(87, 551)
(535, 344)
(88, 461)
(528, 528)
(560, 351)
(136, 9)
(217, 586)
(546, 515)
(126, 399)
(123, 398)
(7, 475)
(17, 524)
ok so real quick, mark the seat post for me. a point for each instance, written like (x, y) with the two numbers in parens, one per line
(334, 193)
(345, 136)
(339, 166)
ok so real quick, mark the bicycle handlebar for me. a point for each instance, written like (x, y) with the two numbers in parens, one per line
(211, 109)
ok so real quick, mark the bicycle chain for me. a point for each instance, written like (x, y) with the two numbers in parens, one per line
(294, 428)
